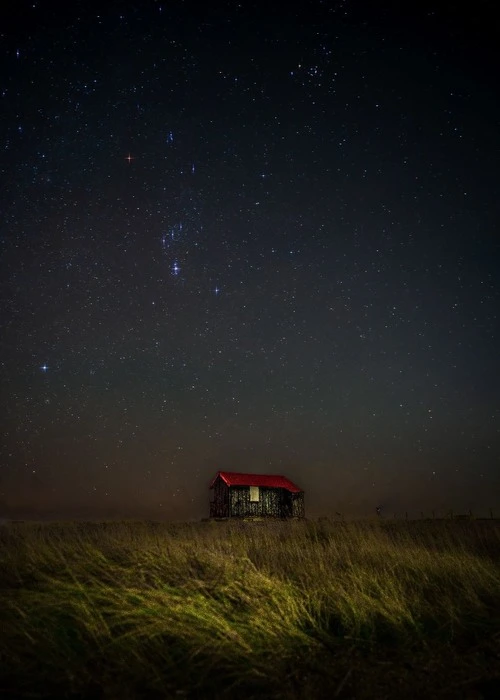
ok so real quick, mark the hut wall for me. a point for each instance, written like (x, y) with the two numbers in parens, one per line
(235, 502)
(272, 502)
(219, 507)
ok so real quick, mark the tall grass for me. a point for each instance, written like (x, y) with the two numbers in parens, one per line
(295, 609)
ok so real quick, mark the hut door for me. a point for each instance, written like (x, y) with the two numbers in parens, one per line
(287, 504)
(239, 506)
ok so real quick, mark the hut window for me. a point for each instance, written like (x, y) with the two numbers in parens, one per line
(254, 494)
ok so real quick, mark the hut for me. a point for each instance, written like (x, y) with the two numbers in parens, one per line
(236, 495)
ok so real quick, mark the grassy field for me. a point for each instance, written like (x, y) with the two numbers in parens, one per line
(250, 610)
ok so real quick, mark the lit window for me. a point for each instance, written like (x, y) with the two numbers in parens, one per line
(254, 494)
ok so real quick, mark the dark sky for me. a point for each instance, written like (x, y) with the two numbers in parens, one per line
(235, 236)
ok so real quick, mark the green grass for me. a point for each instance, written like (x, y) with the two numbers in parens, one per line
(265, 610)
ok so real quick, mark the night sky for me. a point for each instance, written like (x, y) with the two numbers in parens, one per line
(235, 236)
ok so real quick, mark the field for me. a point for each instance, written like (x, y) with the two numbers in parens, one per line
(297, 610)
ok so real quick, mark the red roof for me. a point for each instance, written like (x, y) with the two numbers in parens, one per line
(270, 480)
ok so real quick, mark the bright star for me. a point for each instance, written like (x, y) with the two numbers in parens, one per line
(44, 368)
(130, 158)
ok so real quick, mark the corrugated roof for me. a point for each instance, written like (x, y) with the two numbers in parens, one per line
(269, 480)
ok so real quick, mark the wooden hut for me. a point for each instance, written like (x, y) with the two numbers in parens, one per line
(238, 495)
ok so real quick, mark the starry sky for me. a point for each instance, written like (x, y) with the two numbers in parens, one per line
(235, 236)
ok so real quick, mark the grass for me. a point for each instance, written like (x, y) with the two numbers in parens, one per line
(256, 610)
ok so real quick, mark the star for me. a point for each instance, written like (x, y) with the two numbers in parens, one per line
(130, 158)
(44, 368)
